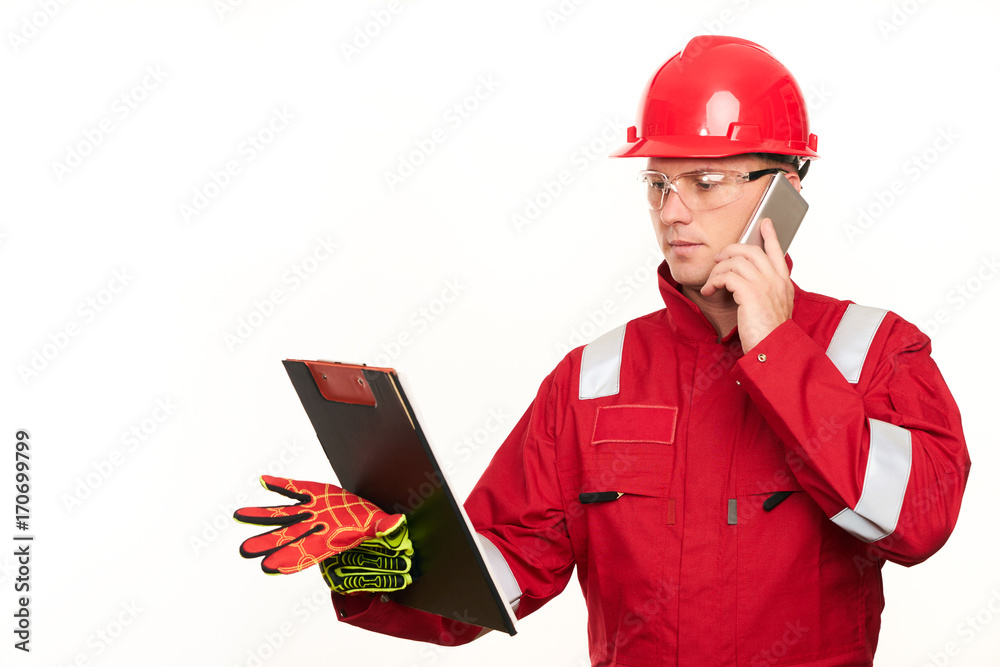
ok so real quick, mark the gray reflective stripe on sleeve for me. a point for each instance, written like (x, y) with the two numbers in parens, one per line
(601, 365)
(849, 345)
(888, 472)
(498, 564)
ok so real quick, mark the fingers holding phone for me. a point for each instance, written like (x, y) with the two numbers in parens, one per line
(760, 285)
(786, 208)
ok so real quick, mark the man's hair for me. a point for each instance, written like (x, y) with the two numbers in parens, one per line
(801, 166)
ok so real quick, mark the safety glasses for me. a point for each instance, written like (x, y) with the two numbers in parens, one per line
(698, 190)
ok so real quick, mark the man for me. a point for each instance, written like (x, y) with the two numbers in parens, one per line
(729, 474)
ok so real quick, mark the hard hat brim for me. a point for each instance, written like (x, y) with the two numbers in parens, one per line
(706, 147)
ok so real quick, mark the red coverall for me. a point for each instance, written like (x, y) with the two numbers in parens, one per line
(842, 406)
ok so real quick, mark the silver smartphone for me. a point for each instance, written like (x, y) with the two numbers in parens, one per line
(786, 208)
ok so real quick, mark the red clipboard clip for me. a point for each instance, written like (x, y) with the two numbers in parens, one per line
(342, 383)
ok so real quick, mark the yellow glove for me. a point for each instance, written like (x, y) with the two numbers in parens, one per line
(371, 567)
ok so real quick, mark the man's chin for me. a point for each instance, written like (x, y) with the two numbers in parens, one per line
(687, 276)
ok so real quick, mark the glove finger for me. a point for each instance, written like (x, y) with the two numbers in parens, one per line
(397, 542)
(266, 543)
(335, 541)
(390, 525)
(315, 545)
(370, 583)
(349, 583)
(397, 536)
(375, 547)
(290, 488)
(359, 558)
(294, 556)
(345, 571)
(276, 515)
(310, 547)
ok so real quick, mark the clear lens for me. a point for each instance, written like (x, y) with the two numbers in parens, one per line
(705, 191)
(699, 191)
(653, 184)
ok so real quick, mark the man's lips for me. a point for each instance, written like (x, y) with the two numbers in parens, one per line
(684, 249)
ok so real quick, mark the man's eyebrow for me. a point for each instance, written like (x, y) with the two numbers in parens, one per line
(696, 170)
(701, 168)
(693, 170)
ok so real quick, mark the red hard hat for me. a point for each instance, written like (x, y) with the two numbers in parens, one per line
(721, 96)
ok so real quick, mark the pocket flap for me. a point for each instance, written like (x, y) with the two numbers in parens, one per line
(768, 481)
(652, 479)
(655, 424)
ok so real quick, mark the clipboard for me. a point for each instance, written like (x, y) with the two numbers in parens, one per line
(370, 433)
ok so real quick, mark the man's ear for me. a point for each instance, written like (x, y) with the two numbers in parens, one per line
(795, 180)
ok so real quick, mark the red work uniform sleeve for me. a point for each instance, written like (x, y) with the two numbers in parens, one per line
(884, 457)
(516, 505)
(379, 614)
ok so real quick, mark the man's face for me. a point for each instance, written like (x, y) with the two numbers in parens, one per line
(690, 239)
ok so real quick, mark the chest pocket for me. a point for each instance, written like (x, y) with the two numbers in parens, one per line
(630, 452)
(630, 456)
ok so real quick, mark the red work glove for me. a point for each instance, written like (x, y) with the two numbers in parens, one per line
(327, 521)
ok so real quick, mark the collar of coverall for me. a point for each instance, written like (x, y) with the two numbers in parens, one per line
(684, 317)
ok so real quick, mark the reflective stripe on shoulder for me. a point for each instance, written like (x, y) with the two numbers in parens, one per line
(888, 472)
(601, 365)
(849, 345)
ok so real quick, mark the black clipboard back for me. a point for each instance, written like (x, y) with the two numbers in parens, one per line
(373, 439)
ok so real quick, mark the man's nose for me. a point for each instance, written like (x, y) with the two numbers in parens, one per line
(673, 210)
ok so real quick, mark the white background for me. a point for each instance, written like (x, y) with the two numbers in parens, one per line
(135, 557)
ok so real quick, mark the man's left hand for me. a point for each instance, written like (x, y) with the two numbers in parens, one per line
(326, 521)
(759, 282)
